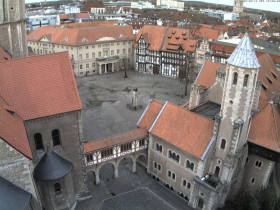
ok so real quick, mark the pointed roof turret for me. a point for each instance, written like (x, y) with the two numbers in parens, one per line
(52, 166)
(244, 55)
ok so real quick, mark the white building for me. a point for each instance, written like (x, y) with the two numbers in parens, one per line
(220, 14)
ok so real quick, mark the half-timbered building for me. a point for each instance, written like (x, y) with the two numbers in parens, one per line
(163, 50)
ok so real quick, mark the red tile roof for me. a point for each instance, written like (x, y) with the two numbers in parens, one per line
(155, 34)
(267, 72)
(184, 129)
(115, 139)
(150, 115)
(4, 55)
(12, 131)
(82, 15)
(176, 37)
(200, 32)
(207, 75)
(92, 4)
(64, 16)
(225, 50)
(265, 128)
(74, 36)
(39, 86)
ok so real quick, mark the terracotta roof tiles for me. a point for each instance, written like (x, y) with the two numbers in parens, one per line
(12, 130)
(4, 55)
(150, 115)
(75, 36)
(115, 139)
(184, 129)
(265, 128)
(39, 86)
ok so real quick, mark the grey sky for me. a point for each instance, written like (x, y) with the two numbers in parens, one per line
(270, 5)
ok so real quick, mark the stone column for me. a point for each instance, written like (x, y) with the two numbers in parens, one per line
(116, 172)
(105, 68)
(100, 68)
(97, 179)
(134, 166)
(113, 67)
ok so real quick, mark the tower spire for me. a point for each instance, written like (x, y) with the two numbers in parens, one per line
(244, 55)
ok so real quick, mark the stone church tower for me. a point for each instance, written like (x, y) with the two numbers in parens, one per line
(13, 27)
(234, 120)
(238, 6)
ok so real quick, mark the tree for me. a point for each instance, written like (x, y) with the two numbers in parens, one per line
(267, 198)
(125, 66)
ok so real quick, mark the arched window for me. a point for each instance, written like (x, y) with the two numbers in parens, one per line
(245, 82)
(217, 171)
(184, 182)
(57, 189)
(38, 141)
(189, 185)
(223, 144)
(235, 76)
(56, 137)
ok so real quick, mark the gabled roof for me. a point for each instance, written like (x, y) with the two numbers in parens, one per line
(12, 130)
(176, 37)
(12, 196)
(74, 35)
(156, 36)
(184, 129)
(92, 4)
(207, 74)
(267, 74)
(82, 15)
(64, 16)
(4, 55)
(115, 139)
(52, 166)
(200, 32)
(39, 86)
(265, 128)
(149, 115)
(244, 55)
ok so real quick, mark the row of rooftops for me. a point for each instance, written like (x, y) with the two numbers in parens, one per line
(87, 33)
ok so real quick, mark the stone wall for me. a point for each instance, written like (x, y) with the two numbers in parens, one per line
(15, 167)
(70, 131)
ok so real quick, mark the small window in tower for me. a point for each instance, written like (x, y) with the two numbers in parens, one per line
(189, 185)
(38, 141)
(56, 137)
(235, 76)
(223, 144)
(253, 180)
(184, 182)
(246, 77)
(57, 189)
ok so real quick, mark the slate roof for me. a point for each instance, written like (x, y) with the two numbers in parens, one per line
(149, 115)
(12, 196)
(52, 166)
(244, 55)
(12, 130)
(208, 109)
(184, 129)
(115, 139)
(265, 128)
(39, 86)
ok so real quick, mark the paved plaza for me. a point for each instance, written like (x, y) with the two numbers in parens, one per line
(105, 112)
(104, 99)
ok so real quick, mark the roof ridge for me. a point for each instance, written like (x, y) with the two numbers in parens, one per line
(118, 134)
(191, 112)
(16, 59)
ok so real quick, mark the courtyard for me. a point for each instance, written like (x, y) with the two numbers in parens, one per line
(105, 112)
(105, 98)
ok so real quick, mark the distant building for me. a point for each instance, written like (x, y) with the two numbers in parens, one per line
(34, 22)
(163, 50)
(224, 16)
(94, 48)
(142, 5)
(238, 6)
(171, 4)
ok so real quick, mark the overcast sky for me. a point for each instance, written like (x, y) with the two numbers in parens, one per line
(265, 5)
